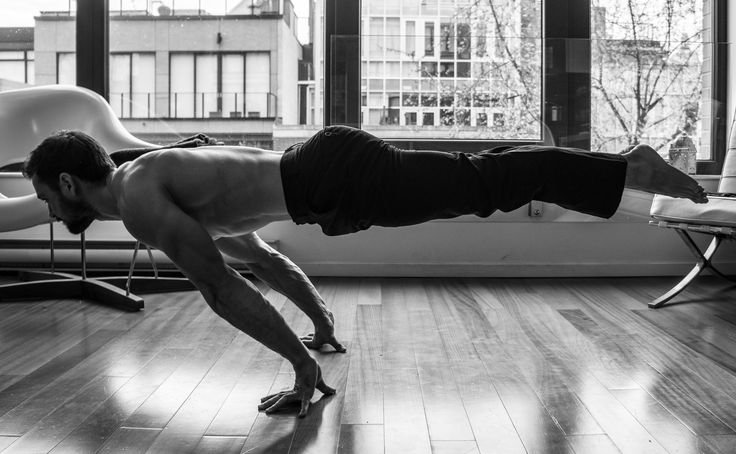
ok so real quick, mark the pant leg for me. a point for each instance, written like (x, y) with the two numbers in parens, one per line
(422, 185)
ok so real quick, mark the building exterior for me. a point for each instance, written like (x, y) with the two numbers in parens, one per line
(435, 67)
(174, 73)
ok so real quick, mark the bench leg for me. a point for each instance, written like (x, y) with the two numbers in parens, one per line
(704, 262)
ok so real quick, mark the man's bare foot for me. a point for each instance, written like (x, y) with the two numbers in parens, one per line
(647, 171)
(323, 335)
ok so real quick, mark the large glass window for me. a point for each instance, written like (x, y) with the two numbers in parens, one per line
(17, 66)
(217, 85)
(132, 84)
(26, 58)
(446, 90)
(651, 75)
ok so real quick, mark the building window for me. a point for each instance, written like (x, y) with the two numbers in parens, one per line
(17, 66)
(66, 68)
(132, 84)
(650, 74)
(449, 72)
(221, 85)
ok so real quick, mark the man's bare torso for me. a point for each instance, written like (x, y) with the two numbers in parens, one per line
(228, 190)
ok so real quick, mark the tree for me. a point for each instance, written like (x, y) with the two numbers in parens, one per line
(646, 74)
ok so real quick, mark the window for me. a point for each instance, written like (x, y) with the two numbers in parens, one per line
(17, 66)
(26, 61)
(132, 84)
(493, 58)
(66, 68)
(217, 85)
(650, 74)
(449, 29)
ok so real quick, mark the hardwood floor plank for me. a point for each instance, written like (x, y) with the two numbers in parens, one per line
(672, 434)
(8, 380)
(220, 445)
(397, 346)
(443, 407)
(592, 443)
(108, 417)
(454, 447)
(533, 351)
(6, 441)
(163, 404)
(130, 441)
(698, 333)
(455, 310)
(39, 347)
(667, 393)
(49, 431)
(405, 424)
(30, 399)
(364, 388)
(361, 439)
(369, 293)
(723, 444)
(706, 382)
(147, 339)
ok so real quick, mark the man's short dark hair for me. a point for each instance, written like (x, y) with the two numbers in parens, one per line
(73, 152)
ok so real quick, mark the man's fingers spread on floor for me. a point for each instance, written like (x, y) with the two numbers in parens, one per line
(280, 403)
(271, 396)
(271, 401)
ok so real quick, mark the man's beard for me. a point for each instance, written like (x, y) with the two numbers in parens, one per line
(82, 215)
(79, 225)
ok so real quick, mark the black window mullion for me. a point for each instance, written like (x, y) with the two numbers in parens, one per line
(719, 112)
(566, 95)
(342, 63)
(93, 45)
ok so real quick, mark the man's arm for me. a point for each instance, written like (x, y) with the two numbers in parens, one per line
(282, 275)
(151, 217)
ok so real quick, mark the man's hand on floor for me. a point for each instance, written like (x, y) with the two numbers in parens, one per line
(307, 379)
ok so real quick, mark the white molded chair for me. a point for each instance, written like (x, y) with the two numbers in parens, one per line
(27, 116)
(717, 219)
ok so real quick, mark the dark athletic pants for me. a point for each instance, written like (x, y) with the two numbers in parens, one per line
(346, 180)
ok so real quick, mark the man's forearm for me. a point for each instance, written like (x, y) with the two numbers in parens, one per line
(282, 275)
(238, 302)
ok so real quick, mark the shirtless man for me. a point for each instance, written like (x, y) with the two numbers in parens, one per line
(195, 204)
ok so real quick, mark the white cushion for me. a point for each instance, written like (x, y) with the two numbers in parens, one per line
(718, 211)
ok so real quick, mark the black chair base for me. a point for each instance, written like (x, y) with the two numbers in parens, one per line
(110, 291)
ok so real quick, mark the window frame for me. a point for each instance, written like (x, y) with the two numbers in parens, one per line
(342, 21)
(151, 101)
(561, 21)
(219, 56)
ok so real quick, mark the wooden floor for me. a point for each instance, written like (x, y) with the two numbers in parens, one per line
(445, 366)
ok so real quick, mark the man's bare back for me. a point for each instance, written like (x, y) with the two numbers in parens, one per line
(230, 191)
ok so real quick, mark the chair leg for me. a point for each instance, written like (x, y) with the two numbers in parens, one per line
(704, 261)
(143, 284)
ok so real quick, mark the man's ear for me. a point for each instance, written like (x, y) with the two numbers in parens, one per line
(67, 184)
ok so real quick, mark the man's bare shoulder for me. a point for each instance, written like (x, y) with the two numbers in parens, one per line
(136, 184)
